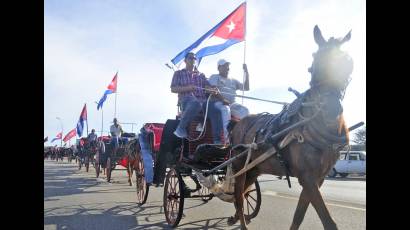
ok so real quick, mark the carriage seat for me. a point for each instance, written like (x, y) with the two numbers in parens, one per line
(210, 153)
(131, 135)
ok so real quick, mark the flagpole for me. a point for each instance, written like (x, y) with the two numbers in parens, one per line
(102, 118)
(116, 90)
(86, 120)
(244, 55)
(102, 121)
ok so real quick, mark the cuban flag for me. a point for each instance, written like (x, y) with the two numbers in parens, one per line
(112, 88)
(229, 31)
(59, 136)
(80, 123)
(69, 135)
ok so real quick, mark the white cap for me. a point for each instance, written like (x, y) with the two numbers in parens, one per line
(222, 62)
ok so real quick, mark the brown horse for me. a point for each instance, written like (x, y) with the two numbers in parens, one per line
(307, 150)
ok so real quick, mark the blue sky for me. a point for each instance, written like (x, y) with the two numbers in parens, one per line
(87, 42)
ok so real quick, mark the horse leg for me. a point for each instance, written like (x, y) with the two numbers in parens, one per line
(129, 170)
(318, 203)
(300, 212)
(239, 190)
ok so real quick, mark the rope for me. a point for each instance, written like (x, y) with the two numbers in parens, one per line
(252, 98)
(204, 123)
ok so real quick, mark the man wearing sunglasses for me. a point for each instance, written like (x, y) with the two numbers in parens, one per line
(190, 85)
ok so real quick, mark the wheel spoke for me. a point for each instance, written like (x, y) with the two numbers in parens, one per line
(249, 204)
(248, 195)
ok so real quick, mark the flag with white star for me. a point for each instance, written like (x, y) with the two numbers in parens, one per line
(229, 31)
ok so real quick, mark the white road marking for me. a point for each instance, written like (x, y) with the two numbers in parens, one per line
(272, 193)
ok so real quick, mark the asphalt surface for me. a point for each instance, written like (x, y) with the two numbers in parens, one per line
(75, 199)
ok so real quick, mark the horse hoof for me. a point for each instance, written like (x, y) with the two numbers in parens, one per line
(232, 220)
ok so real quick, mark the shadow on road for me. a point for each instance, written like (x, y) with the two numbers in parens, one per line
(122, 216)
(346, 178)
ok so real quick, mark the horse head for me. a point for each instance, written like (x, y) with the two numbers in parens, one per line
(330, 75)
(331, 67)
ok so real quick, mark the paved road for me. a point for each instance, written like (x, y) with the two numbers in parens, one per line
(77, 200)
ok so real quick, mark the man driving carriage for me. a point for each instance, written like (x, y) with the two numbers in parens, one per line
(116, 132)
(92, 138)
(190, 85)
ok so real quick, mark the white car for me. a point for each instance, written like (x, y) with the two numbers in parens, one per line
(352, 162)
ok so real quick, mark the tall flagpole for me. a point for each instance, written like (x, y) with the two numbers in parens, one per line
(102, 118)
(87, 117)
(244, 55)
(102, 121)
(116, 90)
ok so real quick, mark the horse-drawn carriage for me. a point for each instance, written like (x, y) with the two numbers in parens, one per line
(122, 156)
(192, 159)
(86, 152)
(302, 141)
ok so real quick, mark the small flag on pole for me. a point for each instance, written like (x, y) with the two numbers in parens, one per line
(112, 88)
(59, 136)
(69, 135)
(80, 123)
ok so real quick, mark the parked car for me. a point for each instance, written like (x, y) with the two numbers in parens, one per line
(350, 162)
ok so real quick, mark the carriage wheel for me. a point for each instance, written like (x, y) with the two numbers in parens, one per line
(252, 201)
(109, 169)
(203, 192)
(173, 198)
(141, 183)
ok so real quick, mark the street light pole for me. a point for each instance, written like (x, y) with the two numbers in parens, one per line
(62, 131)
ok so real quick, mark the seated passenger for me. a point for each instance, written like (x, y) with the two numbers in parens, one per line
(190, 86)
(227, 87)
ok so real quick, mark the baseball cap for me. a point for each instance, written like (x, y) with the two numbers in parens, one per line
(222, 62)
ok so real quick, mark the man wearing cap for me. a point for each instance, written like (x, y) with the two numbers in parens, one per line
(227, 87)
(190, 85)
(116, 132)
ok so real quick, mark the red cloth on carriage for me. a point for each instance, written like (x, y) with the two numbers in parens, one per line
(123, 161)
(157, 129)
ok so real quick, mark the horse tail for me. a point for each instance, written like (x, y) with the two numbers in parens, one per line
(342, 125)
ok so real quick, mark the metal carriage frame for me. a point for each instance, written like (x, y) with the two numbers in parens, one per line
(181, 165)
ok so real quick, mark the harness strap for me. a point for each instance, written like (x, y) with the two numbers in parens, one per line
(255, 162)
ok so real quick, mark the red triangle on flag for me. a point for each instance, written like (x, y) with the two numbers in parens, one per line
(113, 85)
(234, 25)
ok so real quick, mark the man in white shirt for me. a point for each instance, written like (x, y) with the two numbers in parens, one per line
(116, 132)
(227, 87)
(92, 138)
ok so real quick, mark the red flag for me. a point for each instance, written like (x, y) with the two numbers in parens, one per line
(70, 135)
(83, 114)
(113, 85)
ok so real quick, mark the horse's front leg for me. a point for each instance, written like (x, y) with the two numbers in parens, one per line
(312, 189)
(239, 190)
(129, 170)
(300, 212)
